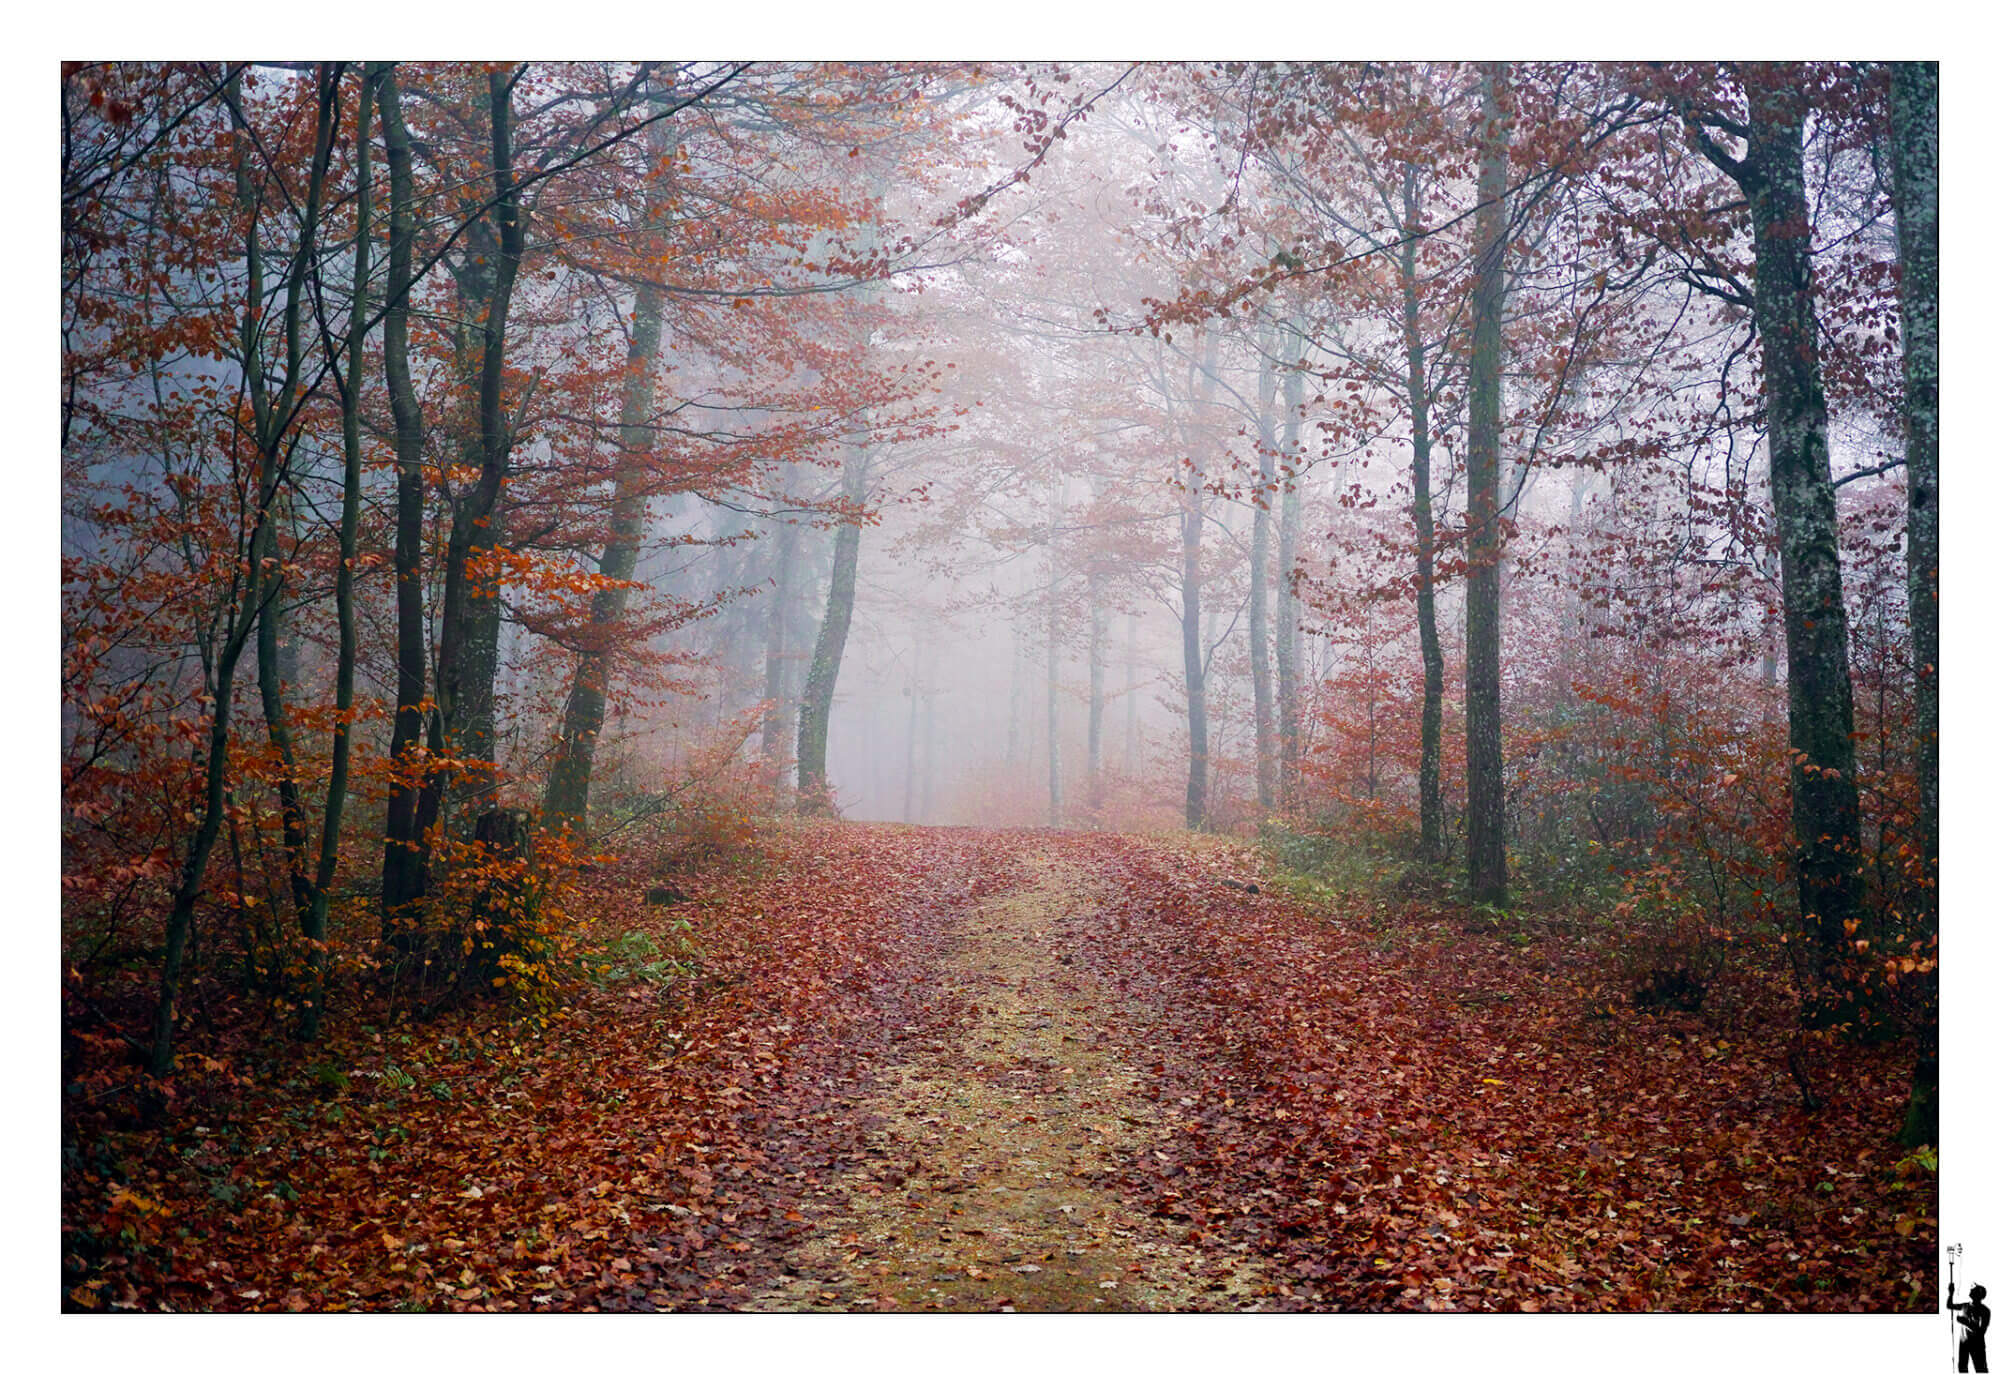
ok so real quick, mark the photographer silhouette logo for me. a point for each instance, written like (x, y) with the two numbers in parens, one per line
(1969, 1319)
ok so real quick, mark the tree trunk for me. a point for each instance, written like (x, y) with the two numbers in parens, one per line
(1825, 811)
(816, 708)
(1194, 662)
(780, 724)
(469, 619)
(1055, 652)
(915, 692)
(1260, 561)
(1290, 517)
(1191, 657)
(406, 849)
(343, 586)
(1131, 696)
(1486, 794)
(1014, 705)
(566, 803)
(1913, 106)
(180, 917)
(272, 420)
(1099, 626)
(1913, 97)
(1430, 793)
(930, 756)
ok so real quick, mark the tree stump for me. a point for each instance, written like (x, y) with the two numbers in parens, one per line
(506, 832)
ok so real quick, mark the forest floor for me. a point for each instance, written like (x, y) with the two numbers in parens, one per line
(956, 1070)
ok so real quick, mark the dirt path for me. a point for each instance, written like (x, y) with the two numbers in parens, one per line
(989, 1157)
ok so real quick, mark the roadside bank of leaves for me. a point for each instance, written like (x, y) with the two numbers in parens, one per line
(1402, 1115)
(638, 1152)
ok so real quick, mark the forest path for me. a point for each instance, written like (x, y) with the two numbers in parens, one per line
(991, 1153)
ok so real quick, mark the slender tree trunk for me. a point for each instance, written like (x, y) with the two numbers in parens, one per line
(180, 917)
(1055, 653)
(930, 755)
(566, 803)
(1131, 695)
(1430, 793)
(406, 851)
(1290, 518)
(1099, 626)
(1014, 692)
(914, 692)
(816, 708)
(278, 726)
(1193, 661)
(273, 422)
(1191, 658)
(1913, 104)
(1486, 795)
(780, 725)
(343, 586)
(1260, 563)
(468, 638)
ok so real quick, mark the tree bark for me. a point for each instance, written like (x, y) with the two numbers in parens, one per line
(1260, 562)
(816, 708)
(1099, 627)
(1290, 518)
(1055, 652)
(1486, 795)
(468, 639)
(1430, 792)
(1914, 137)
(930, 756)
(915, 692)
(781, 725)
(180, 917)
(1825, 810)
(1014, 713)
(343, 586)
(1913, 108)
(566, 803)
(1193, 661)
(405, 851)
(1131, 696)
(272, 420)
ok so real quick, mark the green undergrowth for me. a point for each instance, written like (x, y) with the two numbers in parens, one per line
(664, 960)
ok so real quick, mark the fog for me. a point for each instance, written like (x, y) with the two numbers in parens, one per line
(1011, 444)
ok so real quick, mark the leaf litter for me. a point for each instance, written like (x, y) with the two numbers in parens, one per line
(963, 1070)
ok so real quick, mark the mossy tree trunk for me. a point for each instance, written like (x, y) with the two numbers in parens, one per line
(1913, 105)
(1486, 791)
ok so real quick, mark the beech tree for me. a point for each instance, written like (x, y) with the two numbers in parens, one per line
(1770, 126)
(1913, 97)
(1486, 787)
(660, 428)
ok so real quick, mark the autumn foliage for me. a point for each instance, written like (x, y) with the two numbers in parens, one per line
(1499, 498)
